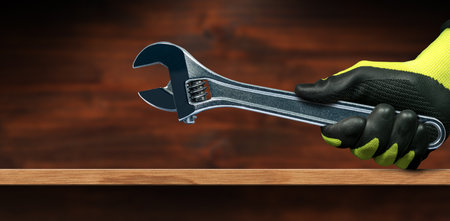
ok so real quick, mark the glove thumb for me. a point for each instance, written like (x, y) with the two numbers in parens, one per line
(328, 90)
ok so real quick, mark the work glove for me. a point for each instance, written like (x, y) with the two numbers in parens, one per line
(419, 86)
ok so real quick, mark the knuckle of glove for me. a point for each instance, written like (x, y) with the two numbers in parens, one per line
(344, 133)
(387, 138)
(392, 139)
(375, 136)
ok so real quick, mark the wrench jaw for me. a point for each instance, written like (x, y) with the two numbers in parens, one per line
(190, 88)
(164, 53)
(182, 67)
(159, 98)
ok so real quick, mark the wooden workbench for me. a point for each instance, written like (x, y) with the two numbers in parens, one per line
(223, 176)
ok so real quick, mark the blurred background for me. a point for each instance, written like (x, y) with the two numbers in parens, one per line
(68, 94)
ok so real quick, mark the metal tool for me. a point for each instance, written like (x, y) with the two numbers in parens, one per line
(193, 88)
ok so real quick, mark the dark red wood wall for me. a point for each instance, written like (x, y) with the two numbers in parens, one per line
(68, 95)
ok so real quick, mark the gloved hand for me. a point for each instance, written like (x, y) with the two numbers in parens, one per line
(419, 86)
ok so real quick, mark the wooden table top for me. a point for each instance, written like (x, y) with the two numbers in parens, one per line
(223, 177)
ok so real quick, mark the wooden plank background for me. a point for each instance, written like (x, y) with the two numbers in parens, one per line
(68, 92)
(68, 100)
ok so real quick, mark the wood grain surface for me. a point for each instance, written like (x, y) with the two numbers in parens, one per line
(68, 94)
(222, 177)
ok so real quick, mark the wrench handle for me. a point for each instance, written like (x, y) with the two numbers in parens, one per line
(285, 104)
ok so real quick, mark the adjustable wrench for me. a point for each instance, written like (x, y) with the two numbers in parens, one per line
(193, 88)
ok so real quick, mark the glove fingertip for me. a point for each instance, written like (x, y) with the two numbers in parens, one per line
(321, 91)
(406, 160)
(331, 141)
(304, 90)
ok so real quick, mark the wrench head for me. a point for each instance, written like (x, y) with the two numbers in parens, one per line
(173, 97)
